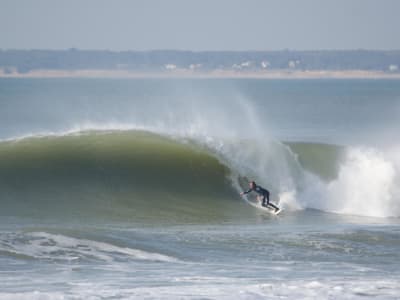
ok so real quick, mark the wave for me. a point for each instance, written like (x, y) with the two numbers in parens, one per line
(141, 175)
(118, 174)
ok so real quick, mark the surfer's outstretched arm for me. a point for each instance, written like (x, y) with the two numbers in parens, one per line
(245, 192)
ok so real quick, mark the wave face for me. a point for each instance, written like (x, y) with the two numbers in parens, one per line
(115, 174)
(146, 176)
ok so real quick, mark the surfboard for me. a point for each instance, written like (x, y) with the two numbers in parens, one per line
(259, 206)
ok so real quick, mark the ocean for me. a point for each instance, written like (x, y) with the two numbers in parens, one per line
(129, 189)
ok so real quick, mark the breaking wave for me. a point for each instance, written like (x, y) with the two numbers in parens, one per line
(148, 175)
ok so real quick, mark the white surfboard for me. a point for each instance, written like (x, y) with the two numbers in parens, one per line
(266, 209)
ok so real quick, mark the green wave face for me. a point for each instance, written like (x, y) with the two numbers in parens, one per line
(145, 177)
(129, 175)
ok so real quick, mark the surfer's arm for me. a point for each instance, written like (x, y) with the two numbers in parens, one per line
(245, 192)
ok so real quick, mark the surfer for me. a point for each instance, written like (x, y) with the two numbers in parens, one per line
(263, 193)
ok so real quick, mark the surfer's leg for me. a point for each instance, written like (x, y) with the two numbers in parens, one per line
(265, 195)
(274, 206)
(263, 201)
(271, 204)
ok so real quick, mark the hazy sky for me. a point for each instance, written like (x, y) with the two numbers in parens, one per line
(200, 25)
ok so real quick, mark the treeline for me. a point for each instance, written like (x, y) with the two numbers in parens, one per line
(23, 61)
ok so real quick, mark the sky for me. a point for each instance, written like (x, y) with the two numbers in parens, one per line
(200, 25)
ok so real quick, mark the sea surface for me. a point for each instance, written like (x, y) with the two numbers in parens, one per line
(129, 189)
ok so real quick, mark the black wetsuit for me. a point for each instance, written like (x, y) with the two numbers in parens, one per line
(264, 193)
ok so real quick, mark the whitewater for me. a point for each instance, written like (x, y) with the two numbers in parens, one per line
(130, 189)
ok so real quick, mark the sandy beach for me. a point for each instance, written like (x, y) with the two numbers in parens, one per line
(183, 73)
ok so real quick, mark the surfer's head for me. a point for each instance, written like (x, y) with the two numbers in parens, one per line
(252, 184)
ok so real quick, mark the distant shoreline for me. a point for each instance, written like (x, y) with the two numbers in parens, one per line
(284, 64)
(181, 74)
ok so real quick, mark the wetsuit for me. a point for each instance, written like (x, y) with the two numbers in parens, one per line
(264, 193)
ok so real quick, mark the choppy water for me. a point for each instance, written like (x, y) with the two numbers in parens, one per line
(129, 189)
